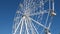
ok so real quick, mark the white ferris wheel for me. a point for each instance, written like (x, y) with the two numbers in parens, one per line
(34, 17)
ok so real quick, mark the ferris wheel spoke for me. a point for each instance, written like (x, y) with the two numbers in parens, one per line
(49, 25)
(35, 28)
(38, 13)
(38, 23)
(47, 28)
(19, 12)
(26, 26)
(47, 17)
(21, 28)
(50, 22)
(45, 23)
(17, 27)
(35, 14)
(31, 28)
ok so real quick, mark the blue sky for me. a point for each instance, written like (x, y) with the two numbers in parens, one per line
(7, 12)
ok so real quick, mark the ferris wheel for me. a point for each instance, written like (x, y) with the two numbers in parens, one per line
(34, 17)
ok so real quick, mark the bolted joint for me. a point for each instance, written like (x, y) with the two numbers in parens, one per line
(47, 31)
(52, 13)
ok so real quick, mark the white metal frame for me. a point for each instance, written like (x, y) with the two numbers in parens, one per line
(27, 12)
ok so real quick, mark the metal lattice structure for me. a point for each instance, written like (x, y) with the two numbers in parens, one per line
(34, 17)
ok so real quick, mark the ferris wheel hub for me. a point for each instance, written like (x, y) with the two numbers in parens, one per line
(24, 17)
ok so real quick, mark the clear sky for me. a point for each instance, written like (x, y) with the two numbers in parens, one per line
(7, 12)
